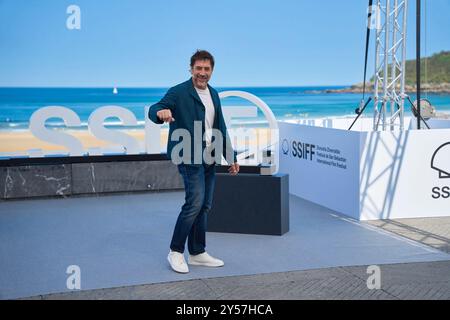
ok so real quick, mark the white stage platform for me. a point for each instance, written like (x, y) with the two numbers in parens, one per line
(121, 240)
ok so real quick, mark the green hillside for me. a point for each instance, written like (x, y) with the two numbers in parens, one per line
(434, 69)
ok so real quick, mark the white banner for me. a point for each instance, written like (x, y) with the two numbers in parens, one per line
(369, 175)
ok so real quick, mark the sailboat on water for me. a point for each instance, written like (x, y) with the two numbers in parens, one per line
(115, 91)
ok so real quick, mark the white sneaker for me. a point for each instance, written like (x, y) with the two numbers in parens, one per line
(204, 259)
(177, 262)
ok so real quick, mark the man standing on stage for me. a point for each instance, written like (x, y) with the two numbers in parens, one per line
(187, 107)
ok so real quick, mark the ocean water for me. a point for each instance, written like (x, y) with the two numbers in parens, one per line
(18, 104)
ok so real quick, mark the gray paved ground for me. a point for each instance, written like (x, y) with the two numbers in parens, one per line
(434, 232)
(424, 280)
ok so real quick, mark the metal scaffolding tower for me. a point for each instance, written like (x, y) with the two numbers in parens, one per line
(390, 58)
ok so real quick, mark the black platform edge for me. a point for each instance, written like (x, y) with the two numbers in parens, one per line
(28, 161)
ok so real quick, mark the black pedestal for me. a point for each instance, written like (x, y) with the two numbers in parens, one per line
(250, 203)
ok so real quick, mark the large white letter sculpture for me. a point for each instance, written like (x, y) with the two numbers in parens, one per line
(153, 131)
(270, 164)
(96, 122)
(71, 119)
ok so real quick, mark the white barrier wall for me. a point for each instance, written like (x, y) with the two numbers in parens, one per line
(369, 175)
(315, 175)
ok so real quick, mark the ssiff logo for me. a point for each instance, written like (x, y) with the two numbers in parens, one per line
(440, 161)
(298, 149)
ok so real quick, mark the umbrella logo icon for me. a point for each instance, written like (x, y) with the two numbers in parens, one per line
(285, 147)
(440, 161)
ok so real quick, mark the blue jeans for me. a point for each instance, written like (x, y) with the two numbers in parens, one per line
(199, 181)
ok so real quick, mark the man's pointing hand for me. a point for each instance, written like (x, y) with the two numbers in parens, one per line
(165, 115)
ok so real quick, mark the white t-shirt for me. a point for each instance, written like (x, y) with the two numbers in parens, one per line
(205, 96)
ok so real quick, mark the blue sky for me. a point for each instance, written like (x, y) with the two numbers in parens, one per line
(148, 43)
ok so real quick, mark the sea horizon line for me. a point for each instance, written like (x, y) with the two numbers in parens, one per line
(162, 87)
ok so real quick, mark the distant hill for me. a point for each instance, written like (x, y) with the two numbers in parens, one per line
(437, 69)
(435, 75)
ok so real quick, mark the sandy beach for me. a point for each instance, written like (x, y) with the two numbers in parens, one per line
(21, 141)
